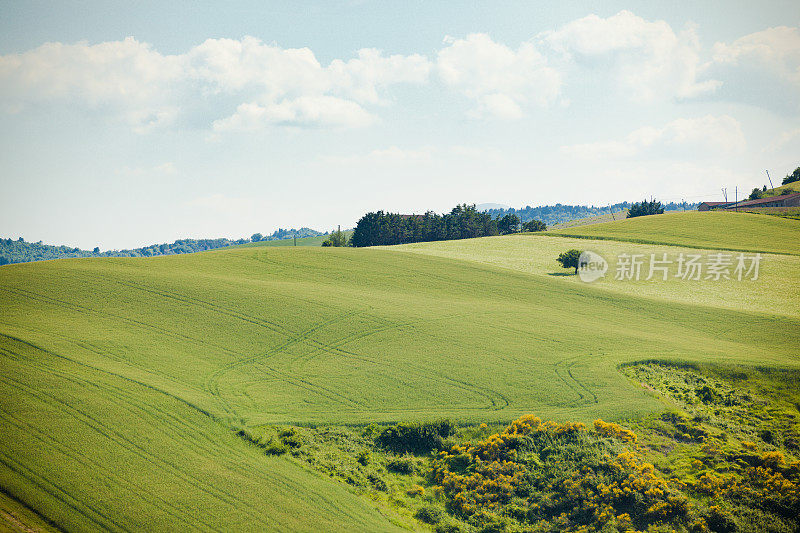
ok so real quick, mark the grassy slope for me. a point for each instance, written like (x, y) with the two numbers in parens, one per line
(114, 402)
(536, 256)
(608, 217)
(712, 229)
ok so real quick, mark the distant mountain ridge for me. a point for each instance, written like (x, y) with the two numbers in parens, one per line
(20, 251)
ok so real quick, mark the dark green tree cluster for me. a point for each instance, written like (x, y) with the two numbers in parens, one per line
(791, 178)
(463, 222)
(508, 223)
(644, 207)
(534, 225)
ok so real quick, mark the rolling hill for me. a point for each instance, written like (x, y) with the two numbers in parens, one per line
(694, 229)
(125, 381)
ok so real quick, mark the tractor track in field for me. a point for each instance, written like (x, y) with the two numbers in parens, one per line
(496, 399)
(79, 457)
(563, 369)
(158, 415)
(300, 383)
(59, 494)
(124, 442)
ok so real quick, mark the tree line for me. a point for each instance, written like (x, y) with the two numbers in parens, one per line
(20, 251)
(462, 222)
(559, 213)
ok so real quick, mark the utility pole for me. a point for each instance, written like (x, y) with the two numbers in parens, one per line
(684, 204)
(295, 239)
(771, 186)
(736, 201)
(725, 194)
(612, 213)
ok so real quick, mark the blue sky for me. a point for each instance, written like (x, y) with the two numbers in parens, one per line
(125, 124)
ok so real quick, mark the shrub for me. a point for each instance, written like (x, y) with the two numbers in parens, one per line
(290, 438)
(274, 447)
(377, 482)
(429, 514)
(402, 465)
(448, 527)
(364, 457)
(415, 490)
(417, 438)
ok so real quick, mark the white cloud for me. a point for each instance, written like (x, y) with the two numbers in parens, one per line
(774, 49)
(305, 111)
(708, 133)
(127, 76)
(147, 89)
(648, 59)
(502, 81)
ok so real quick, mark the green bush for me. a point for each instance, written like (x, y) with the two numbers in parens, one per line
(417, 438)
(378, 482)
(430, 514)
(402, 465)
(364, 457)
(274, 447)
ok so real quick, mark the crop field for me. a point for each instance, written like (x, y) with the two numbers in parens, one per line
(125, 381)
(710, 229)
(535, 254)
(608, 217)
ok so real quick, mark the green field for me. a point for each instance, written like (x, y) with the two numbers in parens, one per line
(124, 381)
(709, 229)
(608, 217)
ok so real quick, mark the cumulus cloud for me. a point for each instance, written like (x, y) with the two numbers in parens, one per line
(649, 60)
(776, 50)
(501, 81)
(723, 133)
(305, 111)
(127, 76)
(148, 89)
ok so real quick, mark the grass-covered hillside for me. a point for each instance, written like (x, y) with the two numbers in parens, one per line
(710, 229)
(131, 388)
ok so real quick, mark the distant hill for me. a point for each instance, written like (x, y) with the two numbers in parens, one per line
(560, 213)
(21, 251)
(487, 207)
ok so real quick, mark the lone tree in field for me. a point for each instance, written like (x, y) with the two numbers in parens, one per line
(645, 208)
(534, 225)
(569, 259)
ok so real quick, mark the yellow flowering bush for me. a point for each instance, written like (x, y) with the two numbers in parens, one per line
(562, 475)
